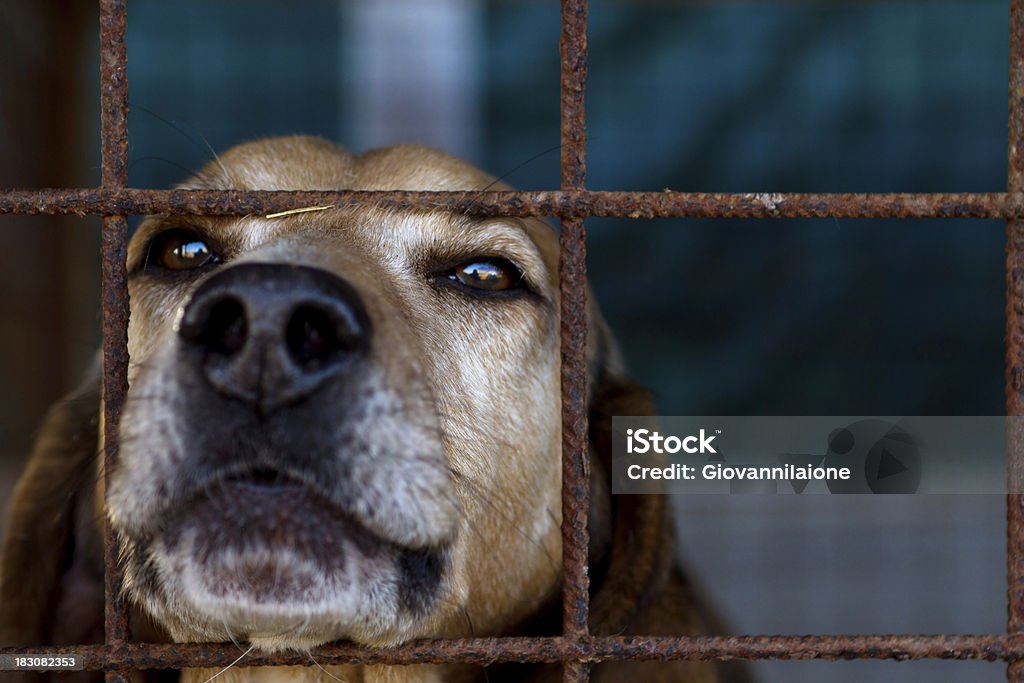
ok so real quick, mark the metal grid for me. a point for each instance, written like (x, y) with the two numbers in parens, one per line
(576, 649)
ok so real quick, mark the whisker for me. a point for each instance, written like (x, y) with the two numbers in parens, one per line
(309, 653)
(232, 664)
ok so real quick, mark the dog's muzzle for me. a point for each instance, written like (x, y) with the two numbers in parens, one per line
(278, 469)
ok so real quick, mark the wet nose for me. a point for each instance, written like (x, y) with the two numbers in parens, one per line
(270, 335)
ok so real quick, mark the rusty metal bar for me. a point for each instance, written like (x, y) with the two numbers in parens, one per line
(1007, 647)
(575, 458)
(572, 273)
(1015, 338)
(114, 133)
(573, 57)
(114, 93)
(577, 671)
(568, 203)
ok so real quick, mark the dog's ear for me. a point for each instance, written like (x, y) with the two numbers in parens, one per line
(51, 576)
(636, 588)
(631, 538)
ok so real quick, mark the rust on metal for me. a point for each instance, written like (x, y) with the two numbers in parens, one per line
(572, 273)
(575, 460)
(568, 203)
(1006, 647)
(114, 143)
(1015, 339)
(113, 93)
(576, 671)
(573, 56)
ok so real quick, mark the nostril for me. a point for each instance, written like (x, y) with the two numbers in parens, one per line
(226, 329)
(313, 338)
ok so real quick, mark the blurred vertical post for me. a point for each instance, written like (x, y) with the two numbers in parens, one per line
(412, 74)
(46, 268)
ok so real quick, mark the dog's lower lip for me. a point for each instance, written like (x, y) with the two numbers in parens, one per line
(275, 541)
(243, 514)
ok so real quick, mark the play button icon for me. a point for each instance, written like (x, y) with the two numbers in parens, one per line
(893, 464)
(889, 466)
(881, 455)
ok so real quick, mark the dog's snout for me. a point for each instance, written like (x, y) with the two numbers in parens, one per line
(272, 334)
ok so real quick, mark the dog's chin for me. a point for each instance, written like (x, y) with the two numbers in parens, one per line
(279, 566)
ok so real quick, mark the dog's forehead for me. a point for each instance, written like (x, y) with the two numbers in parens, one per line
(309, 163)
(398, 239)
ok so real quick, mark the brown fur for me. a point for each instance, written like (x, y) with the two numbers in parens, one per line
(477, 378)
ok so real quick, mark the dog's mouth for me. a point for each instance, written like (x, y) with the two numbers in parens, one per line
(247, 509)
(327, 520)
(262, 477)
(265, 538)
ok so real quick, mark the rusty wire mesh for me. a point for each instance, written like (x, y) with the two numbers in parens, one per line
(576, 648)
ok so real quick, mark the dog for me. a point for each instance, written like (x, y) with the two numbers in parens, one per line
(341, 424)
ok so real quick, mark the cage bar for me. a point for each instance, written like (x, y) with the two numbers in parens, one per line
(114, 241)
(572, 276)
(566, 203)
(577, 671)
(1015, 339)
(555, 649)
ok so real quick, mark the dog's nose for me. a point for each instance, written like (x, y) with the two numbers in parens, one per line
(271, 334)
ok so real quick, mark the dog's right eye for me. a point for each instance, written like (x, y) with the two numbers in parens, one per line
(180, 250)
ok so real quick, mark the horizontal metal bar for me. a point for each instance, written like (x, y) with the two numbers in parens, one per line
(556, 649)
(569, 203)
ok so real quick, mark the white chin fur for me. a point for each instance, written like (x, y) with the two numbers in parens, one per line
(304, 604)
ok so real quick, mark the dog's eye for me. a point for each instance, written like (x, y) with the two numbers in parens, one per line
(491, 275)
(180, 250)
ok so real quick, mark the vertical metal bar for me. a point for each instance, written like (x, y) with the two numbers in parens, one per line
(572, 278)
(1015, 339)
(573, 52)
(577, 672)
(114, 132)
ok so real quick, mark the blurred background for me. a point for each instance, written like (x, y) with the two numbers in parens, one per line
(779, 317)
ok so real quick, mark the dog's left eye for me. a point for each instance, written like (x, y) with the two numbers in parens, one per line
(490, 275)
(180, 250)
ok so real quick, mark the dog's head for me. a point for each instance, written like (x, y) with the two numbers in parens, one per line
(341, 423)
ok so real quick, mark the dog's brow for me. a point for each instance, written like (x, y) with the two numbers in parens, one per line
(514, 229)
(479, 222)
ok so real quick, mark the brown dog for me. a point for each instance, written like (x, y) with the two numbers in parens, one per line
(342, 424)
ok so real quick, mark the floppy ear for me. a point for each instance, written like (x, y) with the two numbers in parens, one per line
(631, 539)
(636, 587)
(51, 576)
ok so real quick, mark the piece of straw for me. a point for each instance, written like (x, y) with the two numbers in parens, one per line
(304, 209)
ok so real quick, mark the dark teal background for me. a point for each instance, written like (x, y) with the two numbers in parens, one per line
(718, 316)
